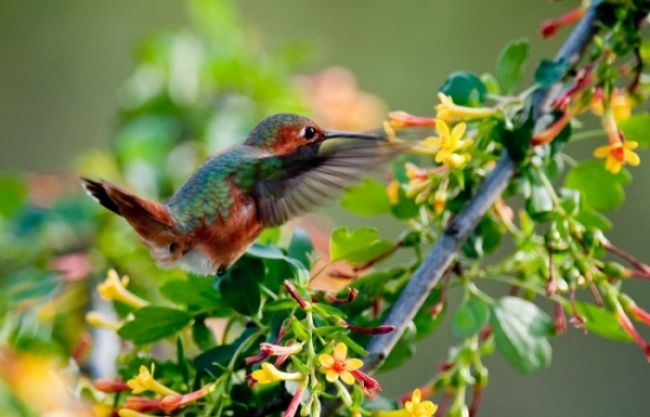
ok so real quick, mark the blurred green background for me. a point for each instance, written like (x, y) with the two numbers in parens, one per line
(63, 61)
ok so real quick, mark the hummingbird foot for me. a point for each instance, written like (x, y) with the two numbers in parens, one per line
(221, 270)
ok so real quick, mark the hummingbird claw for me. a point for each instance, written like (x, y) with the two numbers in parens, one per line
(221, 270)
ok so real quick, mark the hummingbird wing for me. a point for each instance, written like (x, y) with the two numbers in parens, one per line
(289, 185)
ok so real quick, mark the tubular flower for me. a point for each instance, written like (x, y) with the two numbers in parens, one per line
(270, 373)
(447, 110)
(414, 407)
(172, 402)
(400, 119)
(618, 152)
(278, 350)
(337, 365)
(114, 288)
(551, 26)
(621, 103)
(448, 145)
(145, 381)
(97, 319)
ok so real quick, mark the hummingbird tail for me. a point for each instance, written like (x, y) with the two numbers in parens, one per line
(149, 219)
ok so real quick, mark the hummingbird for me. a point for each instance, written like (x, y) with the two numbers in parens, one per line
(286, 166)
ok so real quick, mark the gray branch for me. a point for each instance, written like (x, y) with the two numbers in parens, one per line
(429, 273)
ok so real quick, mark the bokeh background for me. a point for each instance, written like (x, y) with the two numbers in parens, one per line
(63, 62)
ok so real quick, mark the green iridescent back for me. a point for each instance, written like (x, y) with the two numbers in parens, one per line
(206, 195)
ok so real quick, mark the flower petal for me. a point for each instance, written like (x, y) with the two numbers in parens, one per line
(632, 158)
(416, 396)
(602, 151)
(340, 351)
(443, 129)
(331, 375)
(353, 364)
(458, 131)
(347, 377)
(631, 144)
(326, 360)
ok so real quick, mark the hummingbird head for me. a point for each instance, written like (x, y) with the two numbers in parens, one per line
(285, 133)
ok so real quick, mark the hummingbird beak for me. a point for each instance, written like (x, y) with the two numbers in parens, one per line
(353, 135)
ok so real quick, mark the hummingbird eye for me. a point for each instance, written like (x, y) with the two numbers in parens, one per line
(308, 133)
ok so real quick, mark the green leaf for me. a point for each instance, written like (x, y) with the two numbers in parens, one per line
(367, 198)
(300, 247)
(14, 192)
(152, 323)
(464, 88)
(405, 208)
(470, 318)
(521, 332)
(240, 288)
(601, 322)
(637, 128)
(193, 291)
(425, 322)
(484, 239)
(592, 218)
(549, 72)
(357, 246)
(215, 360)
(517, 141)
(601, 189)
(202, 335)
(510, 65)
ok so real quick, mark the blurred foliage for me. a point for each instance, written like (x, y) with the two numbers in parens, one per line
(261, 339)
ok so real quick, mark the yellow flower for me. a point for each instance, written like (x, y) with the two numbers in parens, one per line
(439, 201)
(618, 154)
(102, 410)
(97, 319)
(114, 288)
(621, 103)
(449, 111)
(125, 412)
(413, 408)
(448, 145)
(270, 373)
(145, 381)
(418, 408)
(337, 365)
(392, 190)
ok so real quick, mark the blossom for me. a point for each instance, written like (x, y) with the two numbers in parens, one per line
(400, 119)
(621, 103)
(114, 288)
(619, 151)
(145, 381)
(447, 110)
(110, 385)
(172, 402)
(414, 407)
(551, 26)
(392, 191)
(125, 412)
(337, 365)
(547, 135)
(369, 385)
(278, 350)
(270, 373)
(447, 146)
(97, 319)
(618, 154)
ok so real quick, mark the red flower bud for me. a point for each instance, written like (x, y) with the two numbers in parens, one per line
(296, 296)
(382, 329)
(110, 386)
(142, 404)
(352, 294)
(369, 384)
(551, 26)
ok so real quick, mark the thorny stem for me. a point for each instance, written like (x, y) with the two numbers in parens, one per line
(427, 276)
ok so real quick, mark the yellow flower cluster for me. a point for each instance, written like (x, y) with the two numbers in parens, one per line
(415, 407)
(338, 365)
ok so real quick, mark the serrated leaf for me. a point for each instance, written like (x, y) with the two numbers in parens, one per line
(464, 88)
(368, 198)
(357, 246)
(510, 65)
(602, 322)
(470, 318)
(637, 128)
(521, 332)
(152, 323)
(602, 189)
(549, 72)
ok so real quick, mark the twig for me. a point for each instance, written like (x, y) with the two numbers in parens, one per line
(430, 272)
